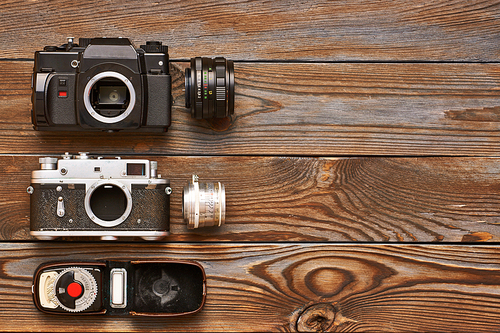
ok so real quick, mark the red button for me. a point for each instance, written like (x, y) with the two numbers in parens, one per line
(63, 94)
(74, 289)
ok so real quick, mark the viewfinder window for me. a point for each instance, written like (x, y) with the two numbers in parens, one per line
(136, 169)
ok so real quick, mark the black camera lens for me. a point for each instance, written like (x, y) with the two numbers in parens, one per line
(210, 88)
(109, 97)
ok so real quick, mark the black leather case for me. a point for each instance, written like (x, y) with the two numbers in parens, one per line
(140, 287)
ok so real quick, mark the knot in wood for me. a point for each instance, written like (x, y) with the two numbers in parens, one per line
(316, 318)
(220, 124)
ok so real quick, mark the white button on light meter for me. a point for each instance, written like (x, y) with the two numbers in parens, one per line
(118, 288)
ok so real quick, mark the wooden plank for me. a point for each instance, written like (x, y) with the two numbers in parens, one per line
(257, 30)
(270, 287)
(313, 199)
(299, 109)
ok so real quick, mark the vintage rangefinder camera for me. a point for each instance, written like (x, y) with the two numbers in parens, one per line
(105, 197)
(107, 84)
(140, 287)
(83, 195)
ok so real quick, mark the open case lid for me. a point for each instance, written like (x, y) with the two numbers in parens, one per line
(139, 287)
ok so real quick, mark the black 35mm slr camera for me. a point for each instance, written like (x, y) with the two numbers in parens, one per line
(107, 84)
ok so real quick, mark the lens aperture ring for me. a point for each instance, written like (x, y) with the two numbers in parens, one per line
(210, 88)
(204, 204)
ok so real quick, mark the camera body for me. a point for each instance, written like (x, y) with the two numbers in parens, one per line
(84, 196)
(102, 84)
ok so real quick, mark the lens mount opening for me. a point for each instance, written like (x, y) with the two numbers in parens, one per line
(108, 203)
(109, 97)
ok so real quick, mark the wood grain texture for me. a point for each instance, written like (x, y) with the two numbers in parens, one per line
(266, 30)
(271, 287)
(299, 109)
(361, 122)
(314, 199)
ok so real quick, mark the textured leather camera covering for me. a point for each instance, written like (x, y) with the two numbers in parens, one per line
(149, 205)
(61, 111)
(158, 99)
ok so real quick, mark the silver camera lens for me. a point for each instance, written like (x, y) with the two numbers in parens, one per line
(204, 204)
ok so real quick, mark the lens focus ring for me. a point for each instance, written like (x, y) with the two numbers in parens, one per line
(210, 88)
(204, 204)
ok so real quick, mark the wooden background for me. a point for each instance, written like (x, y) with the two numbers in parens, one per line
(361, 164)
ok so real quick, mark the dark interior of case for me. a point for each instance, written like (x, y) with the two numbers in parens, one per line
(167, 288)
(159, 288)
